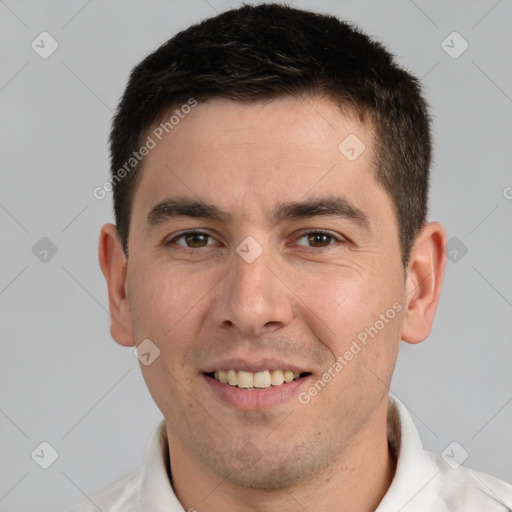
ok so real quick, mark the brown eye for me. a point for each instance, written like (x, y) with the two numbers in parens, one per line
(192, 240)
(196, 239)
(318, 239)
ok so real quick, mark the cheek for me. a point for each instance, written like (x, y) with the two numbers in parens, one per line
(170, 304)
(351, 306)
(358, 320)
(165, 297)
(339, 305)
(166, 305)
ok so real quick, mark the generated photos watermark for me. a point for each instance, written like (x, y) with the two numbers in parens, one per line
(356, 347)
(151, 142)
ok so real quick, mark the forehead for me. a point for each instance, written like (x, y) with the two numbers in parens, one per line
(255, 155)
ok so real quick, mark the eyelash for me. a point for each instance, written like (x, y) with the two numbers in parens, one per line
(171, 242)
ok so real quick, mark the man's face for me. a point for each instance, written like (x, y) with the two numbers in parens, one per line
(267, 285)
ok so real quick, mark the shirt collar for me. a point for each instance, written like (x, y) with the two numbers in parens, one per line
(414, 471)
(155, 491)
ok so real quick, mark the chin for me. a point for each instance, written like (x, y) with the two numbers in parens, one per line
(272, 467)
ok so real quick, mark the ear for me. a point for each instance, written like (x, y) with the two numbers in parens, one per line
(424, 281)
(114, 265)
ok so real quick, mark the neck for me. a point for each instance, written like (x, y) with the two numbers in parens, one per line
(356, 480)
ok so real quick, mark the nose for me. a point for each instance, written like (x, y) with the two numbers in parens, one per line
(253, 298)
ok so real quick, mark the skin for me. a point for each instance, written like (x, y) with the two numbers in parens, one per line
(297, 301)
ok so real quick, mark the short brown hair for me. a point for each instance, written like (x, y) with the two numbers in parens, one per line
(269, 51)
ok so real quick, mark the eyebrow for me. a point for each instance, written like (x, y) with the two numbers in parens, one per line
(334, 206)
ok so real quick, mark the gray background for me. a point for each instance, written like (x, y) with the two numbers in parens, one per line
(63, 379)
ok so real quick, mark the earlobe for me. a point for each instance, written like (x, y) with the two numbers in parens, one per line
(114, 267)
(424, 281)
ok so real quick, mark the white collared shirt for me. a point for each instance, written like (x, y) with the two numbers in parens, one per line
(423, 481)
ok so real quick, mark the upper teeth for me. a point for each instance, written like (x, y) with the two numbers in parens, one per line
(248, 380)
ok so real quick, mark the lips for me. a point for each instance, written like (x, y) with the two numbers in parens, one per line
(255, 384)
(251, 380)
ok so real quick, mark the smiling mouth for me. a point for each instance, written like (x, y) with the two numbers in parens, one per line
(255, 380)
